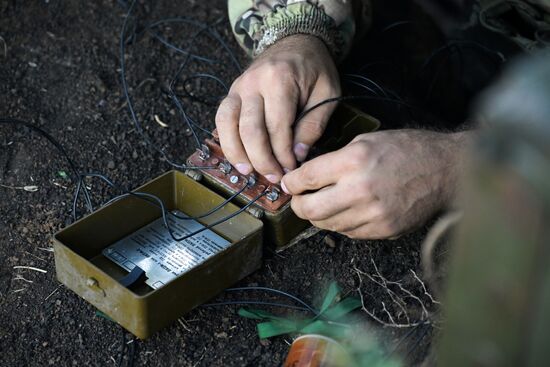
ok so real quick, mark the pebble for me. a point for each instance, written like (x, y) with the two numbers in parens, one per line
(111, 165)
(221, 335)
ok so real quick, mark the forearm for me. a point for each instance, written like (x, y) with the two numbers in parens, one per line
(259, 24)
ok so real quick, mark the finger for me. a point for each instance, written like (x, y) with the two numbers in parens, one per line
(320, 205)
(367, 231)
(280, 112)
(315, 174)
(369, 211)
(312, 125)
(256, 142)
(374, 231)
(345, 221)
(227, 124)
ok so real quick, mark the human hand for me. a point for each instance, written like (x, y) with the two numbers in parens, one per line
(255, 120)
(380, 185)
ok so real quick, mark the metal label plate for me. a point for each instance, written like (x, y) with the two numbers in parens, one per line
(163, 259)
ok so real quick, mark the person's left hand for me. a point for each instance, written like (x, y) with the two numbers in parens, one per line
(380, 185)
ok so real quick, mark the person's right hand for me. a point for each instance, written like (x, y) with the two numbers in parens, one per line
(255, 120)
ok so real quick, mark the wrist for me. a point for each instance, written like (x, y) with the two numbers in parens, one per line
(300, 18)
(302, 43)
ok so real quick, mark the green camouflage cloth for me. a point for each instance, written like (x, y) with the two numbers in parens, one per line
(258, 24)
(527, 23)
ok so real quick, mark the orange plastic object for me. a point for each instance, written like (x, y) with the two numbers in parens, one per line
(316, 351)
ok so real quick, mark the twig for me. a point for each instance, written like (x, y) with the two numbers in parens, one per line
(28, 188)
(36, 257)
(200, 359)
(383, 284)
(373, 315)
(19, 277)
(59, 185)
(397, 295)
(426, 293)
(54, 291)
(159, 121)
(49, 249)
(181, 321)
(30, 268)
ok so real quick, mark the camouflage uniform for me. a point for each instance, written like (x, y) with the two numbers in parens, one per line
(258, 24)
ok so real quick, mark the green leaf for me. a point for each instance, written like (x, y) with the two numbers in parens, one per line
(63, 174)
(332, 293)
(274, 328)
(342, 308)
(258, 314)
(331, 310)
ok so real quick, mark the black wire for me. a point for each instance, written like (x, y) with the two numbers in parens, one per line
(212, 101)
(276, 291)
(210, 226)
(364, 78)
(178, 103)
(165, 213)
(395, 25)
(180, 50)
(261, 303)
(357, 97)
(204, 27)
(212, 32)
(463, 43)
(137, 194)
(129, 100)
(75, 176)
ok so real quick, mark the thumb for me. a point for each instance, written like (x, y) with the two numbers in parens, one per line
(311, 124)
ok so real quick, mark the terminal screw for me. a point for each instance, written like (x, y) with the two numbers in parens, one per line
(225, 167)
(251, 180)
(273, 194)
(234, 179)
(204, 152)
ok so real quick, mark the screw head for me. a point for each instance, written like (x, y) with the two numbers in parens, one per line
(273, 194)
(234, 179)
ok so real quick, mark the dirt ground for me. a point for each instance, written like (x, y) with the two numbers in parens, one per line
(59, 68)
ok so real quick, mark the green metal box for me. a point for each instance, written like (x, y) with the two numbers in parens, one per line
(81, 266)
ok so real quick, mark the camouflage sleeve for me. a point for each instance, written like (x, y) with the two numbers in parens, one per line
(258, 24)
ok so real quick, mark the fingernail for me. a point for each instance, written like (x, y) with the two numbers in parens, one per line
(301, 150)
(284, 187)
(272, 178)
(286, 170)
(243, 168)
